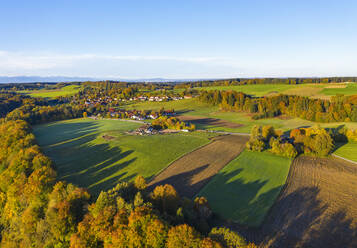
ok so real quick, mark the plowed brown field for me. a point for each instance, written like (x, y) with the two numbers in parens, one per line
(317, 208)
(209, 121)
(192, 171)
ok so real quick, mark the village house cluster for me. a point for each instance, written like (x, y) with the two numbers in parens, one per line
(138, 115)
(107, 99)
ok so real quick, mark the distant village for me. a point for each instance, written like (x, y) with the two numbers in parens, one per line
(107, 99)
(136, 114)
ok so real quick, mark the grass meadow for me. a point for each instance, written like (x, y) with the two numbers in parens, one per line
(348, 151)
(193, 107)
(96, 154)
(245, 189)
(310, 90)
(64, 91)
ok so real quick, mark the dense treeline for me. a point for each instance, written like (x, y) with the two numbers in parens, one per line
(34, 114)
(267, 138)
(313, 141)
(339, 108)
(10, 101)
(37, 211)
(165, 122)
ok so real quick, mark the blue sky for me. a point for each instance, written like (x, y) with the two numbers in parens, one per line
(178, 39)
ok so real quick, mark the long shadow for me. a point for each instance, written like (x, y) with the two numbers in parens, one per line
(237, 199)
(182, 182)
(85, 163)
(300, 219)
(60, 132)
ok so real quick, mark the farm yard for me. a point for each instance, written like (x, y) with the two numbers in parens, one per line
(250, 183)
(316, 208)
(97, 154)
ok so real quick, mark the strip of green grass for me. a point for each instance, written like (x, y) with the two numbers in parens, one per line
(254, 89)
(64, 91)
(246, 188)
(188, 106)
(348, 151)
(97, 154)
(351, 89)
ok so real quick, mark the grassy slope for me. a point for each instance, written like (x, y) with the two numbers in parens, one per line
(351, 89)
(348, 151)
(83, 157)
(64, 91)
(254, 89)
(311, 90)
(194, 107)
(246, 188)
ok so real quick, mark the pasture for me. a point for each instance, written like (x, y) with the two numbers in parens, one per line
(64, 91)
(97, 154)
(245, 189)
(208, 117)
(310, 90)
(348, 151)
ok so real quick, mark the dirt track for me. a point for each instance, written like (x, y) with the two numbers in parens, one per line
(317, 208)
(191, 172)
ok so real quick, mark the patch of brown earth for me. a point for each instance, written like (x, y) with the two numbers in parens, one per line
(191, 172)
(209, 121)
(316, 209)
(108, 137)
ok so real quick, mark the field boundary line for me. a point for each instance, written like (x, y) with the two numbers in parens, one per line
(199, 147)
(348, 160)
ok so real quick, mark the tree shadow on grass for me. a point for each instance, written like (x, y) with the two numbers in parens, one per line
(182, 182)
(84, 163)
(237, 200)
(61, 132)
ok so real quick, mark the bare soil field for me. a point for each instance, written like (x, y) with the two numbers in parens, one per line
(209, 121)
(336, 86)
(191, 172)
(317, 208)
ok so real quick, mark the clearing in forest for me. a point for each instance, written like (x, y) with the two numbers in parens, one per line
(317, 208)
(191, 172)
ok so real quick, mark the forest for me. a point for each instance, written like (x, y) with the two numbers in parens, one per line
(339, 108)
(38, 211)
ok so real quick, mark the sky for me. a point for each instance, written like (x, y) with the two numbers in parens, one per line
(178, 39)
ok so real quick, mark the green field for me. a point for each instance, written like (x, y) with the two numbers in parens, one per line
(245, 189)
(97, 153)
(188, 106)
(311, 90)
(254, 89)
(64, 91)
(196, 108)
(348, 151)
(350, 89)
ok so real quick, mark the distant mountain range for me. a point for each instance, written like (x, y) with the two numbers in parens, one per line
(57, 79)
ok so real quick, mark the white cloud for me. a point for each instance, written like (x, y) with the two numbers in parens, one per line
(99, 65)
